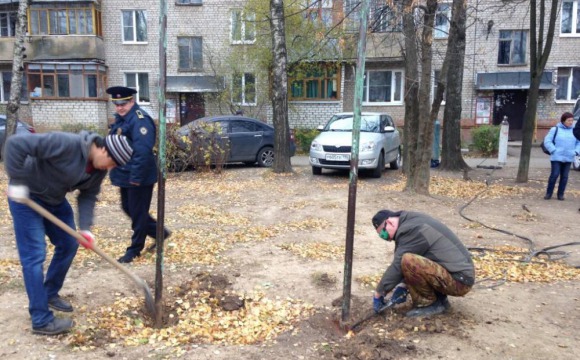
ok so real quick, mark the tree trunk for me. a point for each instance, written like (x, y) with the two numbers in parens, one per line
(419, 144)
(17, 71)
(538, 58)
(451, 158)
(280, 89)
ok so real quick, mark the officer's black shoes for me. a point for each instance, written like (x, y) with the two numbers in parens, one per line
(59, 304)
(439, 306)
(55, 327)
(166, 234)
(127, 258)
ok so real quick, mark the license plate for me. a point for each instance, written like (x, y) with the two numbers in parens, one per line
(338, 157)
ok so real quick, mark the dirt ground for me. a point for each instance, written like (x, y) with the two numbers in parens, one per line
(248, 230)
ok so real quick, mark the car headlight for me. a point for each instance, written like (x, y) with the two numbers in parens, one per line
(316, 146)
(368, 146)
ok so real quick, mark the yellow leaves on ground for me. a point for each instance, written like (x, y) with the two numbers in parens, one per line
(461, 189)
(9, 270)
(511, 263)
(508, 263)
(316, 251)
(200, 319)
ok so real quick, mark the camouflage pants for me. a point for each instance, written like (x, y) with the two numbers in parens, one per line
(425, 277)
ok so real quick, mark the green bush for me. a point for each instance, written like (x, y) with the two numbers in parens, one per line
(486, 139)
(303, 138)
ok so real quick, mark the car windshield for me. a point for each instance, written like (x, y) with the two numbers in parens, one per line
(368, 123)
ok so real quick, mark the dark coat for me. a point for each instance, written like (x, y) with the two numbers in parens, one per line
(140, 129)
(53, 164)
(425, 236)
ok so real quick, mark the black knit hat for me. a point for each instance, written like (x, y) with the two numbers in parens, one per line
(383, 215)
(118, 148)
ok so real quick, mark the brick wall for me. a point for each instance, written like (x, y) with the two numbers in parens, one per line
(56, 115)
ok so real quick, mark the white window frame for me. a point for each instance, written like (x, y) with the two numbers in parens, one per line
(568, 73)
(512, 41)
(242, 88)
(134, 26)
(393, 85)
(574, 32)
(442, 31)
(7, 23)
(138, 74)
(243, 28)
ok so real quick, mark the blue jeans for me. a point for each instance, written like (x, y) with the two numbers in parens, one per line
(561, 169)
(30, 229)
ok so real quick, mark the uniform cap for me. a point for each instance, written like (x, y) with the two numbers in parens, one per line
(118, 148)
(120, 95)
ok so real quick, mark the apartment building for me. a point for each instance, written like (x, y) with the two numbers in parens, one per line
(75, 49)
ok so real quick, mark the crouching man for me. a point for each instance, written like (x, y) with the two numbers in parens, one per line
(430, 262)
(44, 168)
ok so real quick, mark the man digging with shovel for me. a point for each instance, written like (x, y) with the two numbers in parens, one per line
(430, 262)
(43, 168)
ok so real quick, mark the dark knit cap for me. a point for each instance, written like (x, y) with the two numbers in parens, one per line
(383, 215)
(118, 148)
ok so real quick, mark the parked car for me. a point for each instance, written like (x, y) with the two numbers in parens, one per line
(242, 138)
(21, 127)
(380, 143)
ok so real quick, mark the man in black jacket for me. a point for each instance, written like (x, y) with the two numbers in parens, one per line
(430, 262)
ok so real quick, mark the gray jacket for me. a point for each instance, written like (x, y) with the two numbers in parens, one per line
(53, 164)
(425, 236)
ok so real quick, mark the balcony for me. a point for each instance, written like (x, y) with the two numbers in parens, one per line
(64, 47)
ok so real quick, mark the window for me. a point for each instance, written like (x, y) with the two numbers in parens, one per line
(383, 86)
(6, 79)
(188, 2)
(139, 82)
(66, 80)
(570, 17)
(243, 29)
(512, 47)
(134, 26)
(319, 10)
(436, 77)
(190, 53)
(385, 18)
(442, 21)
(74, 19)
(314, 82)
(244, 89)
(7, 23)
(568, 84)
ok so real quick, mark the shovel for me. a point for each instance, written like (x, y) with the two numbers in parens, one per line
(149, 302)
(392, 302)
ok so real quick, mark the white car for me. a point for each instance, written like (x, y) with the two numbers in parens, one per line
(380, 144)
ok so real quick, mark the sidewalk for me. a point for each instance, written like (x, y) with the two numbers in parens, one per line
(538, 159)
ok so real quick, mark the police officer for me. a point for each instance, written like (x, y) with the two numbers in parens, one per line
(137, 178)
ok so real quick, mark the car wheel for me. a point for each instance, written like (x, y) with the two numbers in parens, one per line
(576, 163)
(378, 171)
(395, 164)
(266, 157)
(316, 170)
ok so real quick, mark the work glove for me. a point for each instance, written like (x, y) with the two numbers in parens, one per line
(89, 239)
(17, 193)
(399, 295)
(378, 303)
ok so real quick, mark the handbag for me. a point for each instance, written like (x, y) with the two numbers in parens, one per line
(544, 149)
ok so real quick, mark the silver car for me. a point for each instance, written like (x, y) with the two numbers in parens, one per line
(379, 144)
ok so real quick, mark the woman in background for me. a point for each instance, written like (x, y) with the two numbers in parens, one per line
(563, 146)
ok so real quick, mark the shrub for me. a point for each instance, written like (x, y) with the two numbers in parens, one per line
(303, 138)
(201, 148)
(486, 139)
